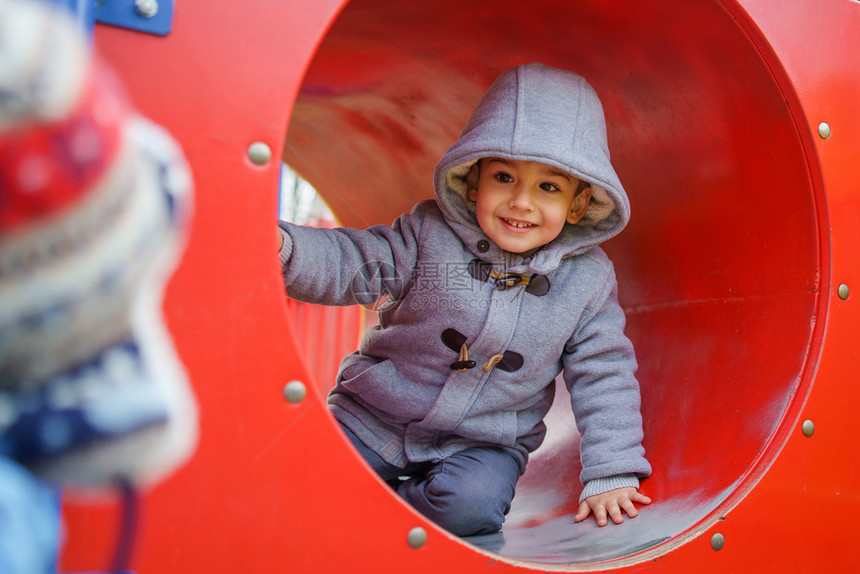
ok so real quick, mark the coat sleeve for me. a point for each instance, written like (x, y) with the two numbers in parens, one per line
(599, 367)
(346, 266)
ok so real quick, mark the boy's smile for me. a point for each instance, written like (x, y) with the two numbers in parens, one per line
(523, 205)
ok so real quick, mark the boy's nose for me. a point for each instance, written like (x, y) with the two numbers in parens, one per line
(522, 199)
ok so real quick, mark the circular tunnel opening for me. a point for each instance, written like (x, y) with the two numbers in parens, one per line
(720, 270)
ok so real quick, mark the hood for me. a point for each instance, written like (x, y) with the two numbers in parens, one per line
(535, 112)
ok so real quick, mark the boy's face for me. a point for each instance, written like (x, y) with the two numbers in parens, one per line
(523, 205)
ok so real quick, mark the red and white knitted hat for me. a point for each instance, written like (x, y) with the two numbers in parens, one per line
(94, 203)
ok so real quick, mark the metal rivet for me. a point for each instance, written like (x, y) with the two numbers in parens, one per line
(843, 291)
(417, 537)
(718, 541)
(146, 8)
(824, 130)
(808, 427)
(259, 153)
(295, 391)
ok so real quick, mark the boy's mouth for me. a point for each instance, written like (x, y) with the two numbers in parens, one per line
(517, 225)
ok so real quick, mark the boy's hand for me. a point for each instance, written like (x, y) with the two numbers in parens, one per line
(611, 503)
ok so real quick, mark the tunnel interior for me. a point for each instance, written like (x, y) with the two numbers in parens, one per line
(720, 270)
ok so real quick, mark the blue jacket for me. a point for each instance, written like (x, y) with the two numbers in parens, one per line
(463, 357)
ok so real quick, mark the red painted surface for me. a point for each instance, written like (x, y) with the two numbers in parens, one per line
(744, 224)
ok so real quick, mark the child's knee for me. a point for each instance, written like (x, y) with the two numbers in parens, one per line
(464, 504)
(464, 508)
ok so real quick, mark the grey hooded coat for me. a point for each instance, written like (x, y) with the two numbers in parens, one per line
(460, 359)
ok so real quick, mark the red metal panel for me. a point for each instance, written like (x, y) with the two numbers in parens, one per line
(742, 214)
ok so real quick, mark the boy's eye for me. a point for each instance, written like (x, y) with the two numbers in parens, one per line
(546, 186)
(504, 177)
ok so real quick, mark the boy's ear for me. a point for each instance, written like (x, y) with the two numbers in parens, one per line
(579, 205)
(472, 181)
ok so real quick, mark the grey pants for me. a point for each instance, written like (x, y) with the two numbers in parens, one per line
(467, 493)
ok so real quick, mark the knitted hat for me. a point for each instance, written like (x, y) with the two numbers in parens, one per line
(94, 203)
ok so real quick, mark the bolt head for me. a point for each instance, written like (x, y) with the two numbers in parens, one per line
(843, 291)
(295, 392)
(417, 537)
(146, 8)
(808, 427)
(718, 541)
(824, 130)
(259, 153)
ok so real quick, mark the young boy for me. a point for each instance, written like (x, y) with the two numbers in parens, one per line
(493, 290)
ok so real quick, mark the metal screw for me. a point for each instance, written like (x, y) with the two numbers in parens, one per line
(146, 8)
(824, 130)
(843, 291)
(417, 537)
(718, 541)
(259, 153)
(808, 427)
(295, 392)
